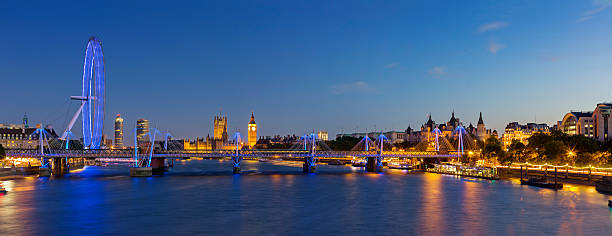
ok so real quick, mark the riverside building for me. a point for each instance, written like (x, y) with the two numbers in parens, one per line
(596, 124)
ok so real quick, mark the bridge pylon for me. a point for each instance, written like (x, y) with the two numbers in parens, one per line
(237, 158)
(310, 160)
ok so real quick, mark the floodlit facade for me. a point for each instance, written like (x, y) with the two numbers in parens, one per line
(516, 131)
(323, 135)
(596, 124)
(118, 132)
(252, 131)
(578, 123)
(142, 129)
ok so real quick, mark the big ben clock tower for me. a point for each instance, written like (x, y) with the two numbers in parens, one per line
(252, 131)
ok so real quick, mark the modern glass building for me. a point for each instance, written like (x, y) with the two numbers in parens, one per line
(118, 132)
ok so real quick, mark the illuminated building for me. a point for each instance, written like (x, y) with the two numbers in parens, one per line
(590, 124)
(516, 131)
(481, 131)
(198, 144)
(142, 129)
(578, 123)
(603, 123)
(107, 143)
(118, 132)
(323, 135)
(395, 136)
(219, 141)
(252, 131)
(18, 136)
(220, 130)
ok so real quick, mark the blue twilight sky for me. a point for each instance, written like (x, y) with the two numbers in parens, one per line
(303, 65)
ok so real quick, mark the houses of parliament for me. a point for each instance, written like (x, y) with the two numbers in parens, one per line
(220, 139)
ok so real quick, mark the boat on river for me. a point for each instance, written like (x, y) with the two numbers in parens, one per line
(542, 183)
(465, 171)
(2, 189)
(604, 186)
(336, 163)
(359, 164)
(399, 166)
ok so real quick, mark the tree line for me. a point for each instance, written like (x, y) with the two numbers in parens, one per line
(555, 148)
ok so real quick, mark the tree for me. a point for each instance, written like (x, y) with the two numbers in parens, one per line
(344, 143)
(517, 151)
(554, 152)
(492, 146)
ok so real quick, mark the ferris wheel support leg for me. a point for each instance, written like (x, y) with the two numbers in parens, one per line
(72, 121)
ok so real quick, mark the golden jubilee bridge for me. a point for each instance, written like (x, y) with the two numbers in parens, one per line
(56, 161)
(147, 159)
(288, 154)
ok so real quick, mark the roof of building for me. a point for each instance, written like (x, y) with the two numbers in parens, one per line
(582, 113)
(480, 122)
(452, 120)
(27, 132)
(252, 121)
(429, 123)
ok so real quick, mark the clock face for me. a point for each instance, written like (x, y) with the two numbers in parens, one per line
(252, 128)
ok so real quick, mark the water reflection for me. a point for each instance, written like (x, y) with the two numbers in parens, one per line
(203, 197)
(432, 200)
(472, 206)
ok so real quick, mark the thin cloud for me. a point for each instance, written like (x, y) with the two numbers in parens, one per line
(392, 65)
(437, 71)
(600, 6)
(495, 47)
(551, 59)
(358, 86)
(492, 26)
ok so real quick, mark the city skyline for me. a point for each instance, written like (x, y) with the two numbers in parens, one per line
(385, 68)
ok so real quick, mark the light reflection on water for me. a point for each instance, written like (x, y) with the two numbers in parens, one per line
(203, 197)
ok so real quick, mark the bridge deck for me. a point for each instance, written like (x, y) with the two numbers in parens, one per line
(275, 154)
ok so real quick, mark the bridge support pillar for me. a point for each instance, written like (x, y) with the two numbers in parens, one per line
(44, 172)
(158, 165)
(309, 166)
(59, 167)
(236, 160)
(141, 172)
(372, 165)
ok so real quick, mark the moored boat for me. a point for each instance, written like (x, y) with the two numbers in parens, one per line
(400, 166)
(604, 186)
(359, 164)
(542, 183)
(336, 163)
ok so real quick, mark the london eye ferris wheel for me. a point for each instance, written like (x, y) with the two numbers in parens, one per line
(92, 97)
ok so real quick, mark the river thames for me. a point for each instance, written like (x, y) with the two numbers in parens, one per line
(203, 197)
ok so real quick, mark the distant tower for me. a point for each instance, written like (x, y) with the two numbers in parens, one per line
(252, 131)
(481, 131)
(142, 128)
(118, 132)
(25, 121)
(453, 122)
(220, 129)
